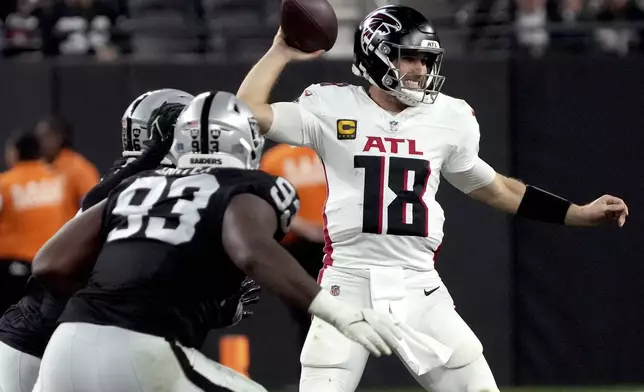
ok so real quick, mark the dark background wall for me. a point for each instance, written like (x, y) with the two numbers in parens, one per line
(550, 304)
(578, 130)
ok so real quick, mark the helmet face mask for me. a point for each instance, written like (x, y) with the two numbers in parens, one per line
(392, 33)
(217, 130)
(408, 87)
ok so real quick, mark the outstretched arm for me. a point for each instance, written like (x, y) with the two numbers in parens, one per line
(512, 196)
(248, 229)
(256, 87)
(473, 176)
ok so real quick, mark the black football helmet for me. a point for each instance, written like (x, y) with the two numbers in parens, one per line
(388, 34)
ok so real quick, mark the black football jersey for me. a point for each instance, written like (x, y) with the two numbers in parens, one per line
(118, 165)
(163, 262)
(28, 325)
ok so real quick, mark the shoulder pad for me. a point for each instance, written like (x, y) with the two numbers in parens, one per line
(464, 108)
(454, 106)
(324, 95)
(277, 191)
(463, 117)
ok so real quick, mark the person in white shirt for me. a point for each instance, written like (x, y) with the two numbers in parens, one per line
(384, 150)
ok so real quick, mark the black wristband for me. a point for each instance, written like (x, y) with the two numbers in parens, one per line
(540, 205)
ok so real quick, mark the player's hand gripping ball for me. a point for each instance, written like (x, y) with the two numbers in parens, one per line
(309, 25)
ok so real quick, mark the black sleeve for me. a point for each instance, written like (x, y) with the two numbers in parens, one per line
(277, 191)
(286, 202)
(103, 188)
(149, 160)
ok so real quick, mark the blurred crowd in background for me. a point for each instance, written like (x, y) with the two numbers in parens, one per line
(243, 29)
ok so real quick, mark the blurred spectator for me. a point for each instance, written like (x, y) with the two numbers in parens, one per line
(166, 27)
(477, 16)
(81, 27)
(530, 22)
(569, 34)
(620, 38)
(551, 25)
(55, 136)
(31, 211)
(228, 22)
(22, 33)
(302, 167)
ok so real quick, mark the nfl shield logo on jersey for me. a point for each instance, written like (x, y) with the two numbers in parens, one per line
(335, 290)
(393, 125)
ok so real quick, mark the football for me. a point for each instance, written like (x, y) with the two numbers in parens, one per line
(309, 25)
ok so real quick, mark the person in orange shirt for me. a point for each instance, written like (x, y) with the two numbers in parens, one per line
(55, 136)
(31, 201)
(302, 167)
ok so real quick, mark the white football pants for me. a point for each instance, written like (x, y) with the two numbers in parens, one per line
(84, 357)
(333, 363)
(18, 371)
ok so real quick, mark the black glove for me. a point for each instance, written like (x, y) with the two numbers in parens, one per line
(161, 126)
(233, 309)
(249, 290)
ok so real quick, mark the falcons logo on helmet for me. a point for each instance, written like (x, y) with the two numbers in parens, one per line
(380, 22)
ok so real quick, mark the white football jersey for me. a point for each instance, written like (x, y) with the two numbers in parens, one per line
(382, 171)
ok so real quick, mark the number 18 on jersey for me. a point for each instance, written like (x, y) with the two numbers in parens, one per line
(407, 179)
